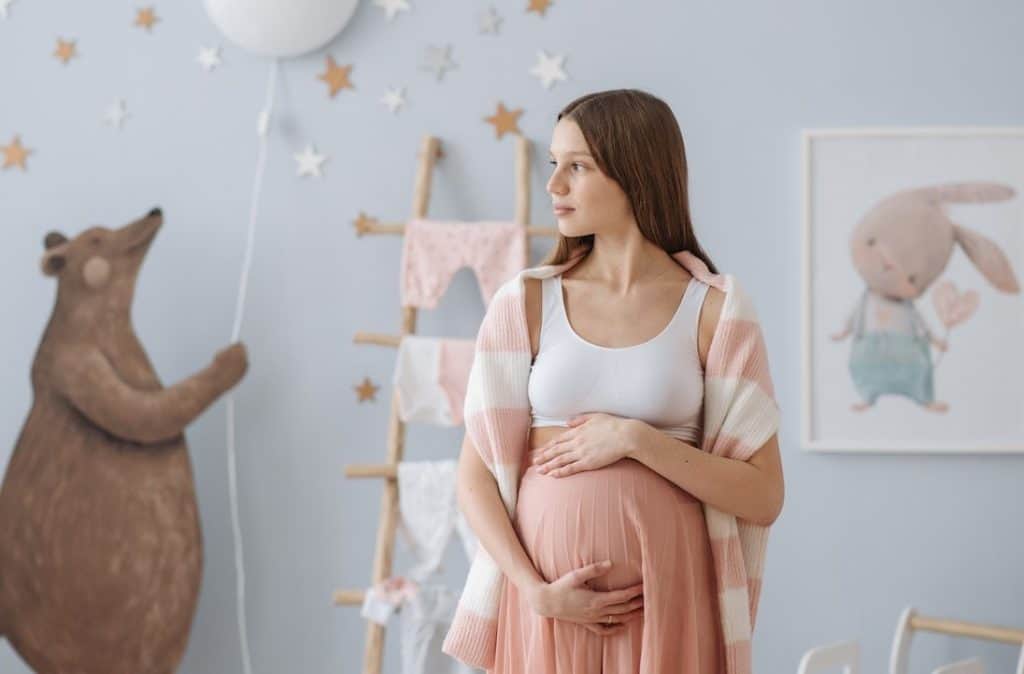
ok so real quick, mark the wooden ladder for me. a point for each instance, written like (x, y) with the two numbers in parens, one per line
(430, 152)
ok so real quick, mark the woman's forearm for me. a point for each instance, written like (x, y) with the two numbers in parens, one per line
(732, 486)
(480, 502)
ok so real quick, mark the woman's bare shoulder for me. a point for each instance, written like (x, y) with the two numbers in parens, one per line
(710, 311)
(532, 300)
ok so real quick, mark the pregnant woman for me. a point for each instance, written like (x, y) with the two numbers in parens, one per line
(605, 555)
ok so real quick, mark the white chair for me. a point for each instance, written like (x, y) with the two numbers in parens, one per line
(845, 654)
(972, 666)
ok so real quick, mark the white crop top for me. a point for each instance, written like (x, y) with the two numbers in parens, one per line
(659, 381)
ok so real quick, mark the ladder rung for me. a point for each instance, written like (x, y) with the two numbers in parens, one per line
(348, 597)
(385, 470)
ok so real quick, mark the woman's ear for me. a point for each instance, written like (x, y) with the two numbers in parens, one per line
(988, 257)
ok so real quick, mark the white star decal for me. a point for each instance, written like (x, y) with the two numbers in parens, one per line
(439, 60)
(394, 99)
(489, 21)
(392, 7)
(309, 162)
(116, 114)
(209, 58)
(549, 69)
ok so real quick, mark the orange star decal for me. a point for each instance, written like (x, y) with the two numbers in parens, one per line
(539, 6)
(504, 120)
(146, 18)
(65, 50)
(15, 154)
(336, 76)
(366, 390)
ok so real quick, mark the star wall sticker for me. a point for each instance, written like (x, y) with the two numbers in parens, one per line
(116, 114)
(65, 51)
(15, 154)
(504, 120)
(539, 6)
(438, 59)
(146, 18)
(394, 99)
(364, 223)
(489, 21)
(335, 76)
(209, 58)
(549, 69)
(366, 390)
(309, 162)
(392, 7)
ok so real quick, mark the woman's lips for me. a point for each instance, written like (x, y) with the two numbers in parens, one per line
(562, 210)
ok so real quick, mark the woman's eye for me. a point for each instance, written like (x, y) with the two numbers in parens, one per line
(912, 278)
(575, 165)
(871, 241)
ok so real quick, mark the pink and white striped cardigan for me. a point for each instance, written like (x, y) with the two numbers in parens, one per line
(740, 415)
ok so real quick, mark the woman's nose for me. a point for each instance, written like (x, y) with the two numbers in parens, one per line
(556, 185)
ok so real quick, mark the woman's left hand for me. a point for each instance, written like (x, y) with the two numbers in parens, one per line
(593, 441)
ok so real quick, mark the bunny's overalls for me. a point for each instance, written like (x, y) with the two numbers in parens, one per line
(892, 362)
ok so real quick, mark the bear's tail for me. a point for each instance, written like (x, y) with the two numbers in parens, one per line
(966, 193)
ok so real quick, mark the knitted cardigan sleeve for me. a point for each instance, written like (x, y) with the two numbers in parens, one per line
(497, 418)
(740, 416)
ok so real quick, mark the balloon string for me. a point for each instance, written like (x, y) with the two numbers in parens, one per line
(261, 160)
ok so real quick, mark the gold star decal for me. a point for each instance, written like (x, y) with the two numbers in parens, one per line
(336, 76)
(504, 121)
(364, 223)
(15, 154)
(65, 50)
(539, 6)
(146, 18)
(366, 390)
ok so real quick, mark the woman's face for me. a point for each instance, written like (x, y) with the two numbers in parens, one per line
(592, 201)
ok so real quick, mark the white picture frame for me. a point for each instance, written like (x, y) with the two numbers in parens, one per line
(865, 180)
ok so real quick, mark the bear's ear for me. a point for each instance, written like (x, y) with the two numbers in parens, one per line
(54, 239)
(53, 262)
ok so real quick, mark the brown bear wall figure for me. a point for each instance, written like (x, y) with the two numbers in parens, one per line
(100, 543)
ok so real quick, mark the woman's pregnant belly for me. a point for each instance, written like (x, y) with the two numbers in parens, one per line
(619, 512)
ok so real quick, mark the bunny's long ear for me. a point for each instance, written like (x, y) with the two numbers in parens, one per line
(988, 257)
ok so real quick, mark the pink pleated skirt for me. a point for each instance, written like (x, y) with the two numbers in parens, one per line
(652, 531)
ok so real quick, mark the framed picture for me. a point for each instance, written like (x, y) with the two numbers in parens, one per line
(913, 316)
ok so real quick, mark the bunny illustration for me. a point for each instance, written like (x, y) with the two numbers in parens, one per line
(900, 247)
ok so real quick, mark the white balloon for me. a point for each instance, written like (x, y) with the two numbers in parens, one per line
(280, 27)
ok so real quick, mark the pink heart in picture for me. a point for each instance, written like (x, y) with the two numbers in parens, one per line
(953, 307)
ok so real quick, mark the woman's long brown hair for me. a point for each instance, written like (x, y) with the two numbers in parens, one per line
(636, 141)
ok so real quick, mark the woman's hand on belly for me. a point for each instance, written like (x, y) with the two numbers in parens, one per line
(601, 612)
(592, 441)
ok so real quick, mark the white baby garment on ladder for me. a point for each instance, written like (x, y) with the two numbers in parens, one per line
(425, 619)
(429, 513)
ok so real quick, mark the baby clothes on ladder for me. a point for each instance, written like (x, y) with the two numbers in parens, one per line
(425, 619)
(383, 598)
(429, 513)
(430, 376)
(433, 251)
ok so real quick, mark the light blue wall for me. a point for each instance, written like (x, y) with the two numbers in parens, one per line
(860, 536)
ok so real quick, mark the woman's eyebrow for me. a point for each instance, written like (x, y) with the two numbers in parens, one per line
(583, 154)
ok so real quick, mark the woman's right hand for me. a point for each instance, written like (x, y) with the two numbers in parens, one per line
(568, 598)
